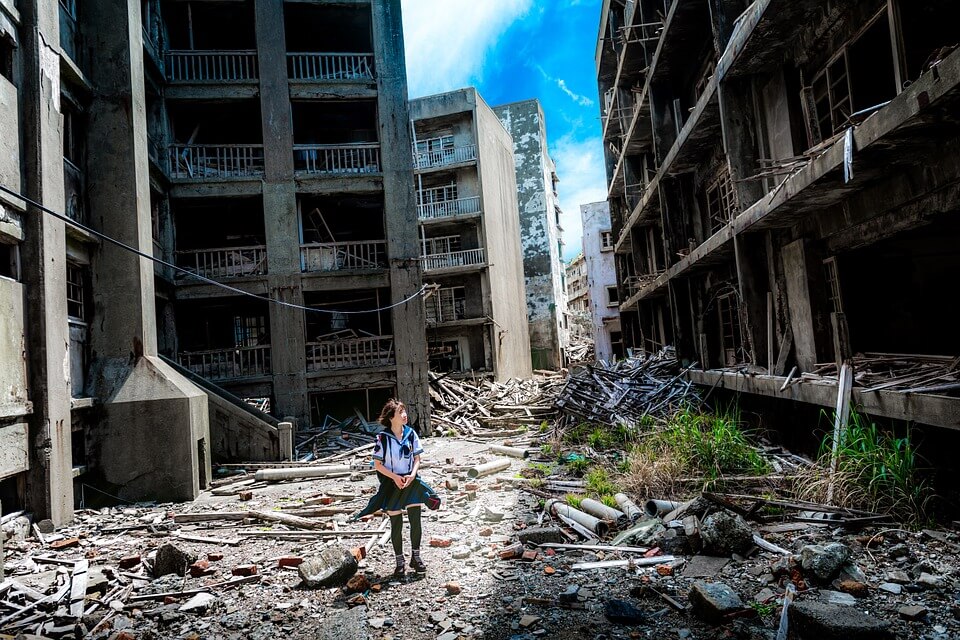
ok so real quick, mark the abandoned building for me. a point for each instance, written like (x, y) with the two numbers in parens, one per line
(216, 136)
(601, 281)
(470, 235)
(540, 230)
(783, 185)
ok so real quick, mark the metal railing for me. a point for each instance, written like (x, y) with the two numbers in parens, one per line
(224, 364)
(203, 161)
(335, 159)
(231, 262)
(330, 66)
(447, 208)
(444, 157)
(453, 259)
(210, 66)
(334, 256)
(350, 353)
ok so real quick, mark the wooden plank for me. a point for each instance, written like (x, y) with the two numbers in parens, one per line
(78, 588)
(638, 562)
(840, 421)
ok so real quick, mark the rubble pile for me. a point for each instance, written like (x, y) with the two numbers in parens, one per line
(896, 372)
(334, 436)
(628, 390)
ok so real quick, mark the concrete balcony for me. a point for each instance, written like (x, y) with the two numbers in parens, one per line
(454, 259)
(337, 256)
(350, 353)
(228, 364)
(220, 264)
(210, 66)
(330, 67)
(337, 159)
(448, 208)
(215, 161)
(444, 157)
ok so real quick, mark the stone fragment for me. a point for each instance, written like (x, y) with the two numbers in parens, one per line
(245, 570)
(214, 557)
(356, 600)
(712, 601)
(823, 562)
(837, 598)
(540, 535)
(930, 581)
(622, 612)
(358, 583)
(764, 594)
(912, 612)
(129, 562)
(891, 587)
(898, 577)
(549, 570)
(245, 495)
(46, 526)
(664, 570)
(461, 553)
(486, 532)
(725, 533)
(453, 588)
(451, 484)
(331, 568)
(490, 515)
(528, 621)
(171, 559)
(854, 588)
(440, 542)
(812, 620)
(198, 603)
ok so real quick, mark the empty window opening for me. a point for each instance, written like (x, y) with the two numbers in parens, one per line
(77, 296)
(9, 260)
(447, 356)
(328, 29)
(225, 26)
(447, 304)
(323, 327)
(442, 142)
(341, 122)
(446, 192)
(7, 51)
(606, 240)
(720, 198)
(613, 298)
(929, 31)
(341, 218)
(220, 237)
(331, 407)
(731, 340)
(224, 324)
(442, 244)
(833, 284)
(222, 123)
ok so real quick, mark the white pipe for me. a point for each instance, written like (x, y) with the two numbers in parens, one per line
(489, 468)
(272, 475)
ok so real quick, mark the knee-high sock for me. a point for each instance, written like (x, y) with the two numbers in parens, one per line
(416, 533)
(396, 533)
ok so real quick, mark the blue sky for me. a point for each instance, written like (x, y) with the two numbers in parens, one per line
(515, 50)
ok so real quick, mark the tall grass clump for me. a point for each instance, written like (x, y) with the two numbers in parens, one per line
(876, 471)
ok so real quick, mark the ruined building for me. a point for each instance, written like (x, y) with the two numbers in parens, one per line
(214, 135)
(540, 229)
(783, 184)
(470, 238)
(601, 281)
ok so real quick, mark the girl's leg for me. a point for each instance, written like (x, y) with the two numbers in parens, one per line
(416, 534)
(396, 536)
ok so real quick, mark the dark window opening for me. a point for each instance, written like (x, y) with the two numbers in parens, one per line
(330, 324)
(341, 218)
(720, 200)
(221, 222)
(731, 339)
(327, 29)
(332, 407)
(7, 51)
(613, 298)
(77, 295)
(445, 356)
(222, 123)
(929, 31)
(339, 122)
(9, 261)
(447, 304)
(225, 26)
(223, 324)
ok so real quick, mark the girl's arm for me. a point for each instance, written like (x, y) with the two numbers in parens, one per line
(413, 472)
(397, 480)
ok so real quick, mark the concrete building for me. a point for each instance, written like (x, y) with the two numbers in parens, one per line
(578, 322)
(601, 281)
(540, 230)
(783, 184)
(470, 239)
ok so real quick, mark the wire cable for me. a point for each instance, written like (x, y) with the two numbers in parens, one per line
(114, 241)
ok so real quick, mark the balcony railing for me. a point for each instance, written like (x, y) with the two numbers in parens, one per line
(334, 256)
(225, 364)
(350, 353)
(211, 66)
(329, 66)
(337, 159)
(232, 262)
(444, 157)
(209, 161)
(448, 208)
(453, 259)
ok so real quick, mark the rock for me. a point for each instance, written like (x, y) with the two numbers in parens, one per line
(725, 533)
(376, 623)
(570, 595)
(812, 620)
(198, 603)
(529, 621)
(540, 535)
(713, 600)
(171, 559)
(449, 635)
(891, 587)
(824, 562)
(898, 577)
(332, 568)
(838, 598)
(461, 553)
(622, 612)
(358, 584)
(899, 551)
(931, 581)
(453, 588)
(854, 588)
(490, 515)
(912, 612)
(764, 594)
(46, 526)
(201, 568)
(486, 532)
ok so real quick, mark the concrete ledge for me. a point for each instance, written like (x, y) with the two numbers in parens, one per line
(221, 91)
(182, 188)
(338, 90)
(345, 279)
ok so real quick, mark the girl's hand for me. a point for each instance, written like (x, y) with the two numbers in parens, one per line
(399, 481)
(408, 480)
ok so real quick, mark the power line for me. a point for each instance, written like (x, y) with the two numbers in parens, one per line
(205, 279)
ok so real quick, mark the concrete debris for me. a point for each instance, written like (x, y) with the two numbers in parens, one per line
(812, 620)
(333, 567)
(823, 562)
(724, 533)
(714, 601)
(171, 559)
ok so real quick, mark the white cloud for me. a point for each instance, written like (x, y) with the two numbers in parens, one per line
(583, 179)
(583, 101)
(447, 41)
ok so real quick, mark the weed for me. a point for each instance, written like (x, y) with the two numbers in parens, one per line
(600, 438)
(536, 483)
(573, 500)
(609, 501)
(763, 609)
(598, 482)
(579, 466)
(546, 449)
(544, 427)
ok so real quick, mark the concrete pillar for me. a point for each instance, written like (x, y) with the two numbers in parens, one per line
(147, 406)
(723, 16)
(400, 211)
(739, 124)
(285, 430)
(798, 302)
(50, 480)
(750, 255)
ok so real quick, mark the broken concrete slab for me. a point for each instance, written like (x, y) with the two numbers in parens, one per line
(622, 612)
(812, 620)
(704, 566)
(712, 601)
(332, 568)
(171, 559)
(724, 533)
(540, 535)
(823, 562)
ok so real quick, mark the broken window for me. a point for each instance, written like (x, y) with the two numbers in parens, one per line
(731, 342)
(445, 356)
(442, 244)
(328, 324)
(7, 50)
(833, 284)
(703, 78)
(76, 292)
(250, 330)
(9, 260)
(447, 304)
(613, 298)
(929, 31)
(222, 26)
(606, 240)
(720, 198)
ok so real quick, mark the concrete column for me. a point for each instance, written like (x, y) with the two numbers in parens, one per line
(285, 430)
(400, 211)
(739, 124)
(750, 254)
(50, 480)
(723, 15)
(798, 302)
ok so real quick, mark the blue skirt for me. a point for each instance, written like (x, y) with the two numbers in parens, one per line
(390, 498)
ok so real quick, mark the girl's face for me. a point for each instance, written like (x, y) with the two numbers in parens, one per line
(400, 416)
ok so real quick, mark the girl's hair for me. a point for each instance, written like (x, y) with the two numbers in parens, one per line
(389, 410)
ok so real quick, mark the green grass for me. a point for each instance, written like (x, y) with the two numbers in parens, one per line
(609, 501)
(598, 482)
(573, 500)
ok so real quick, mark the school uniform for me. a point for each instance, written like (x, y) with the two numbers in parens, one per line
(397, 455)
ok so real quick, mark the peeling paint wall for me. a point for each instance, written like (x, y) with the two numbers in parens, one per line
(601, 274)
(539, 231)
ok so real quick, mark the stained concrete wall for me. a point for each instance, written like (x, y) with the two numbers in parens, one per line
(13, 367)
(10, 140)
(601, 273)
(539, 231)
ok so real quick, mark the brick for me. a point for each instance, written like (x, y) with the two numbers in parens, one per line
(289, 561)
(201, 568)
(129, 562)
(486, 532)
(471, 486)
(358, 583)
(529, 555)
(359, 553)
(664, 570)
(440, 542)
(245, 570)
(513, 551)
(65, 543)
(214, 557)
(245, 495)
(453, 588)
(549, 570)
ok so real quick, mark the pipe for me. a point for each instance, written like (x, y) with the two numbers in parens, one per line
(658, 508)
(628, 506)
(489, 468)
(513, 452)
(560, 508)
(292, 473)
(602, 511)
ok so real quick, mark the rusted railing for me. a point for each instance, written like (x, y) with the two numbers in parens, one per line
(447, 208)
(224, 364)
(205, 161)
(444, 157)
(334, 256)
(350, 353)
(231, 262)
(335, 159)
(453, 259)
(210, 66)
(329, 66)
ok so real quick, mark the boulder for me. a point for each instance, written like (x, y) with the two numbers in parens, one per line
(332, 568)
(712, 601)
(724, 533)
(812, 620)
(171, 559)
(823, 562)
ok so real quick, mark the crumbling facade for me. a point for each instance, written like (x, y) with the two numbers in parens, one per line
(783, 187)
(470, 237)
(540, 230)
(603, 299)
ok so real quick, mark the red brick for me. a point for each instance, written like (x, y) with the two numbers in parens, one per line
(359, 552)
(289, 561)
(358, 583)
(214, 557)
(440, 542)
(471, 486)
(486, 531)
(652, 552)
(664, 570)
(550, 553)
(513, 551)
(63, 544)
(129, 562)
(201, 568)
(245, 570)
(245, 495)
(529, 555)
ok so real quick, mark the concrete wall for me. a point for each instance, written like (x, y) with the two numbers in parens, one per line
(601, 273)
(539, 231)
(13, 366)
(236, 436)
(10, 141)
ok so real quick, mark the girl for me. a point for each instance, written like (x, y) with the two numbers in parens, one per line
(396, 457)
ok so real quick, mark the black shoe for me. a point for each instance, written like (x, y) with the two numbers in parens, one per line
(399, 572)
(417, 565)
